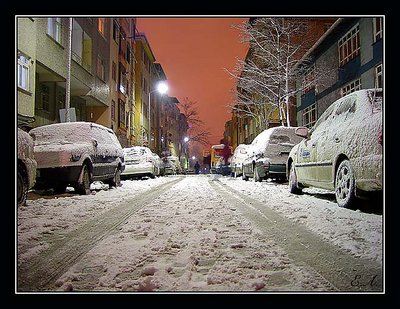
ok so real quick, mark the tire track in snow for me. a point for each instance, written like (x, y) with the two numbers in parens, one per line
(342, 270)
(41, 272)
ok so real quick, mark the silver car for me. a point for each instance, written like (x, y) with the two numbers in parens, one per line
(76, 154)
(268, 153)
(343, 151)
(139, 162)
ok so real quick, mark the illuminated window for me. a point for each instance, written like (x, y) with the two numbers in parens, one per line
(54, 28)
(378, 76)
(378, 28)
(23, 71)
(101, 25)
(351, 87)
(310, 116)
(349, 45)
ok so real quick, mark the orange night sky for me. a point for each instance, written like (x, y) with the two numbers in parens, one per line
(194, 53)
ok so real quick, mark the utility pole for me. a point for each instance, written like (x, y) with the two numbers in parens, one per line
(68, 82)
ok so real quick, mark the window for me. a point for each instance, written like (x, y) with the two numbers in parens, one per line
(378, 76)
(23, 71)
(54, 28)
(128, 54)
(378, 28)
(122, 80)
(100, 68)
(113, 110)
(115, 31)
(114, 71)
(349, 45)
(351, 87)
(309, 79)
(81, 46)
(45, 97)
(310, 116)
(101, 25)
(121, 111)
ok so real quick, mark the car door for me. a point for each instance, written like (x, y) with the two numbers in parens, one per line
(336, 138)
(103, 157)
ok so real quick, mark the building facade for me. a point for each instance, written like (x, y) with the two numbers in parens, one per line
(352, 50)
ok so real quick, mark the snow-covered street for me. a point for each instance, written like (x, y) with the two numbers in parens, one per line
(197, 233)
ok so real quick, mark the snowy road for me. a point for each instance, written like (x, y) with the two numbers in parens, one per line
(197, 233)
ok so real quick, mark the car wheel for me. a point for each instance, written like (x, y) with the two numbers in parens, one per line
(293, 185)
(244, 177)
(345, 185)
(256, 176)
(22, 188)
(116, 180)
(83, 185)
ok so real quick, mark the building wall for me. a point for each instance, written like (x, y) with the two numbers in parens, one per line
(362, 66)
(26, 31)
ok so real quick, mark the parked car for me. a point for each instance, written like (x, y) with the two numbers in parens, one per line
(172, 165)
(267, 154)
(343, 150)
(139, 162)
(238, 157)
(76, 154)
(160, 165)
(26, 166)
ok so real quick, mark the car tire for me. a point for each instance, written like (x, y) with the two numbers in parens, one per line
(22, 187)
(116, 180)
(256, 177)
(244, 177)
(345, 185)
(293, 184)
(83, 185)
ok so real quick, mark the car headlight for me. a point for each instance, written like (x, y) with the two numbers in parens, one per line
(75, 157)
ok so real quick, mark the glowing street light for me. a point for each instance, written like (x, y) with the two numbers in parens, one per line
(162, 88)
(186, 139)
(193, 158)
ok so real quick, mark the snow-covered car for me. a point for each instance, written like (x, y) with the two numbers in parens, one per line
(139, 162)
(172, 165)
(238, 157)
(268, 153)
(26, 166)
(160, 165)
(343, 150)
(76, 154)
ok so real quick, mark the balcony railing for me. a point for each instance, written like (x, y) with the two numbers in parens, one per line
(79, 60)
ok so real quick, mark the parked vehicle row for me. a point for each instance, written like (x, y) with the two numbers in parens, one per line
(342, 152)
(76, 154)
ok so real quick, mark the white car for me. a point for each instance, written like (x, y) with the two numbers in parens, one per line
(139, 162)
(172, 165)
(76, 154)
(26, 166)
(238, 157)
(343, 151)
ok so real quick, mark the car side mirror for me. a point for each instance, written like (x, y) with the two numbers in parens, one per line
(94, 142)
(301, 131)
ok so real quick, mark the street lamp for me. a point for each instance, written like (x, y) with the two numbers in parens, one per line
(162, 88)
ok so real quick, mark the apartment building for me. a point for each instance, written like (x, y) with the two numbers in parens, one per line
(43, 66)
(352, 52)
